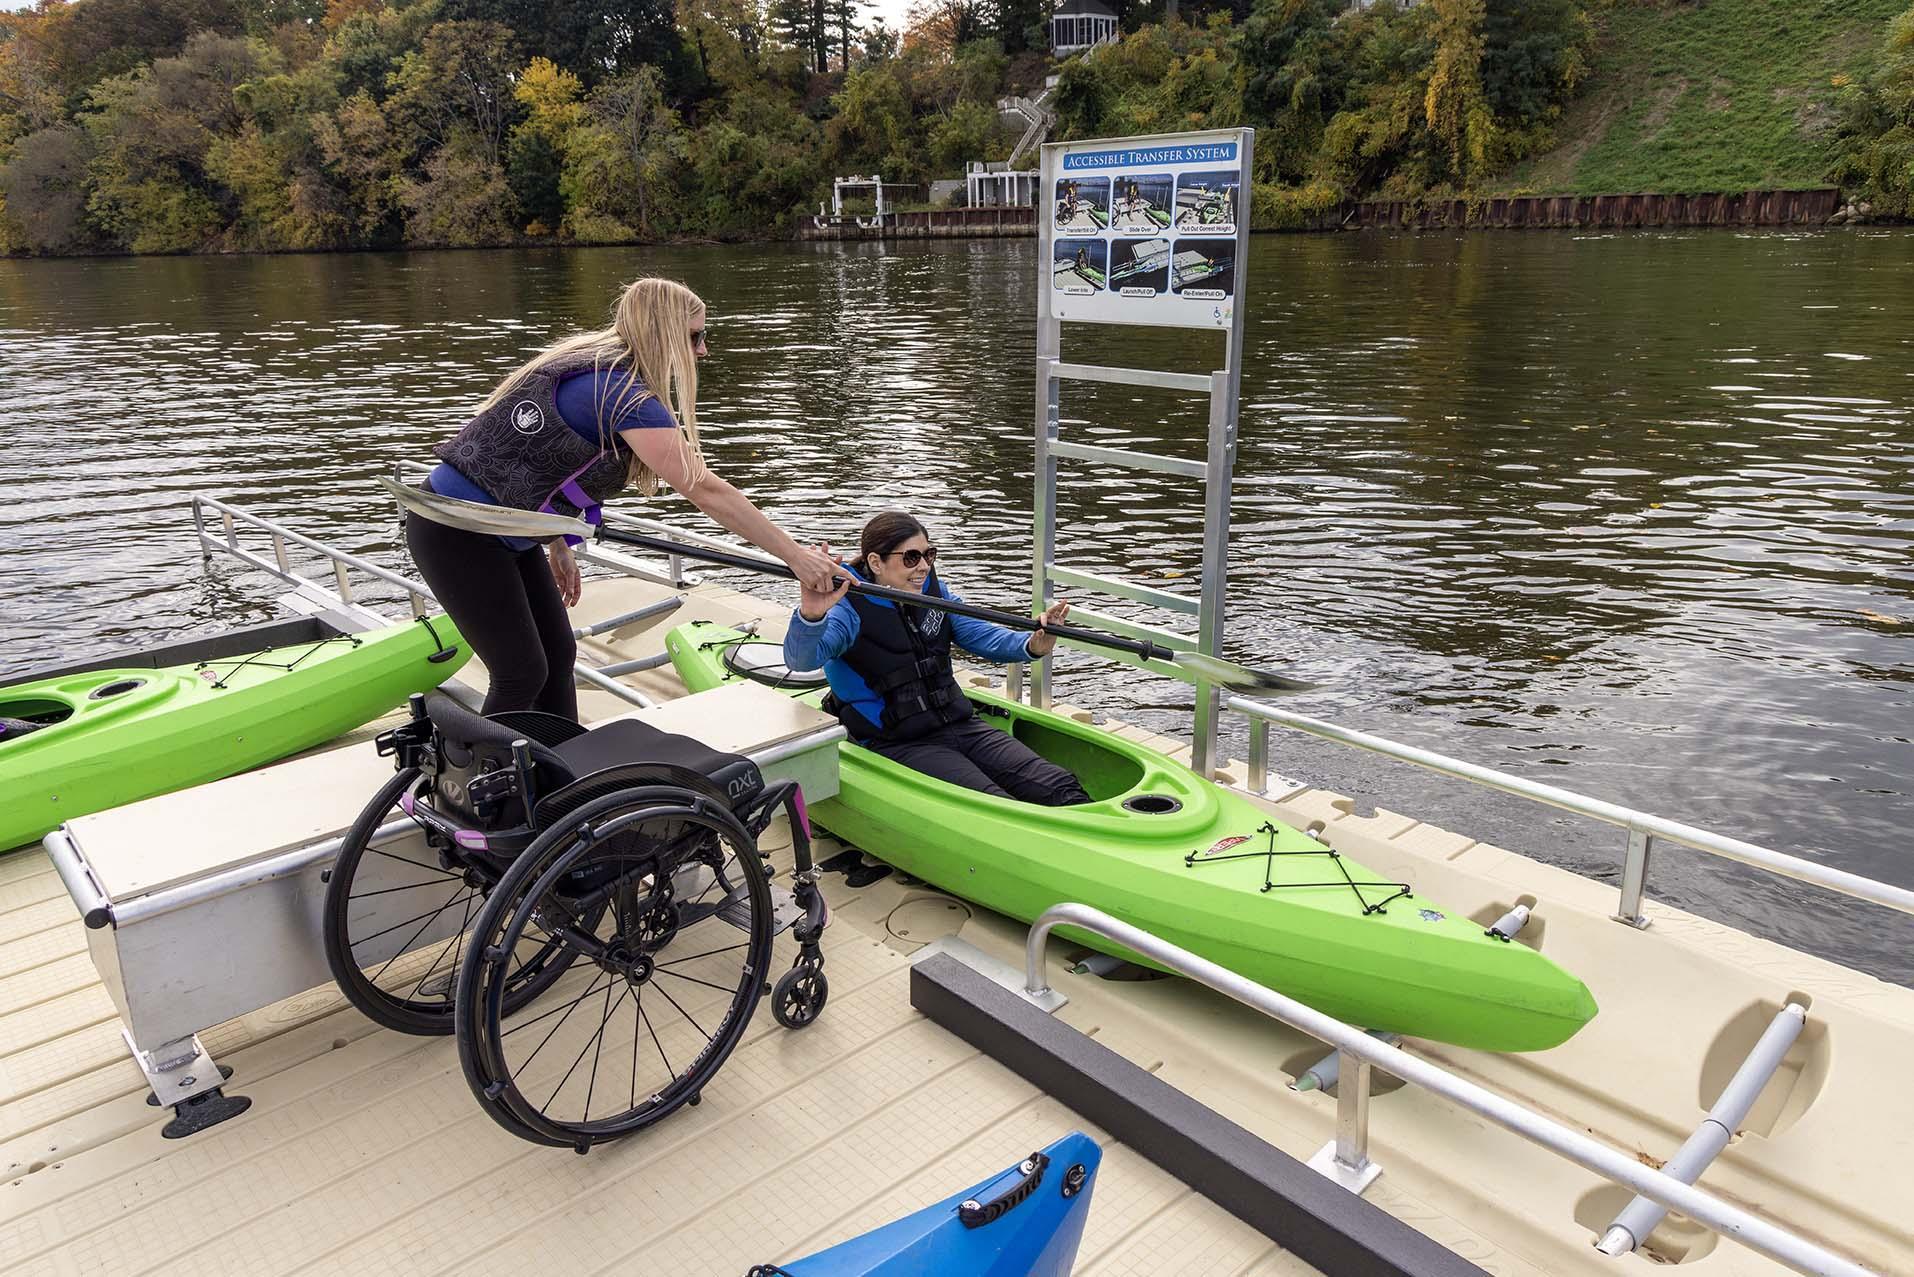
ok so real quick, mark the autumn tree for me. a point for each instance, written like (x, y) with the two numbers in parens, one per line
(553, 113)
(151, 131)
(365, 161)
(596, 40)
(1454, 107)
(1876, 131)
(620, 167)
(43, 191)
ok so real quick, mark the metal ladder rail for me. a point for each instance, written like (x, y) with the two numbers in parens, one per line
(1643, 827)
(1214, 472)
(1359, 1053)
(417, 594)
(230, 516)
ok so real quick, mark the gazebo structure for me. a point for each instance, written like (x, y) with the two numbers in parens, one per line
(1081, 24)
(997, 185)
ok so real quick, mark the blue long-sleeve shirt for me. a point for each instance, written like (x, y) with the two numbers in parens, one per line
(810, 644)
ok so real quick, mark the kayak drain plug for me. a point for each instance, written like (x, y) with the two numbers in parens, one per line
(1152, 804)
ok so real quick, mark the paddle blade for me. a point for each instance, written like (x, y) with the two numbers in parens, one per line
(1239, 678)
(473, 516)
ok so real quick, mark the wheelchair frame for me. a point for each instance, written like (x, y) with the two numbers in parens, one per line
(515, 833)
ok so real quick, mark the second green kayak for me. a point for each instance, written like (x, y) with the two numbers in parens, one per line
(82, 742)
(1194, 863)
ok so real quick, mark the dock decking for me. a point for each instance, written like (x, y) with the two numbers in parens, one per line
(364, 1152)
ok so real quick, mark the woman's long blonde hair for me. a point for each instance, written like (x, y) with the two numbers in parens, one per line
(650, 334)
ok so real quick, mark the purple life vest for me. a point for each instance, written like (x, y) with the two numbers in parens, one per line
(521, 451)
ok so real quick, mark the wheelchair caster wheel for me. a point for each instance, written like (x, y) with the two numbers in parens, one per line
(799, 996)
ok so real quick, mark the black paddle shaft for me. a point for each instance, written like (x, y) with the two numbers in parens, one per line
(664, 545)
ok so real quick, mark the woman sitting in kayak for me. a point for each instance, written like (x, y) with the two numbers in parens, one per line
(563, 433)
(890, 675)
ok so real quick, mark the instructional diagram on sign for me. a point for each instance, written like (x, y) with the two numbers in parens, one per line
(1206, 202)
(1079, 266)
(1148, 233)
(1083, 206)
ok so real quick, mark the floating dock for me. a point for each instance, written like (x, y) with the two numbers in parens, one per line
(363, 1151)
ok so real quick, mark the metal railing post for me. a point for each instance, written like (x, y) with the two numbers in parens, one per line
(1634, 878)
(199, 529)
(1219, 465)
(1043, 503)
(1345, 1159)
(1259, 755)
(279, 552)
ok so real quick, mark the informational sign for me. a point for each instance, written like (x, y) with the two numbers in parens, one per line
(1148, 230)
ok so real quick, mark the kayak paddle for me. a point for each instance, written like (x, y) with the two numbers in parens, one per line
(474, 516)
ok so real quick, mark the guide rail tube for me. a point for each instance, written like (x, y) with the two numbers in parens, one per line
(1757, 1234)
(1747, 853)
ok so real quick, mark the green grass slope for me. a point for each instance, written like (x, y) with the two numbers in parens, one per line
(1708, 95)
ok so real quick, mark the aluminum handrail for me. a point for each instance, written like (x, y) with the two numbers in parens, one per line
(1620, 1168)
(412, 588)
(416, 592)
(1640, 824)
(77, 877)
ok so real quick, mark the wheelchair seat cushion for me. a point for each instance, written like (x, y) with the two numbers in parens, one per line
(628, 742)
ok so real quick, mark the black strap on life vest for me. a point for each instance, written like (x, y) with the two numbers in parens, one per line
(908, 668)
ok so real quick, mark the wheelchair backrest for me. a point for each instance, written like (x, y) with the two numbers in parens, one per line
(469, 746)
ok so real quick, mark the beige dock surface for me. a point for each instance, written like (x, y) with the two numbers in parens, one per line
(365, 1154)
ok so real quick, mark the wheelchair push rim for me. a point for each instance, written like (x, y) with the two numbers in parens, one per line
(666, 977)
(397, 922)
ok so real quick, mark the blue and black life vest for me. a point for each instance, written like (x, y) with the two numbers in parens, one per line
(903, 655)
(521, 451)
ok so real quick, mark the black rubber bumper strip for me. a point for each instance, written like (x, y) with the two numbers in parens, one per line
(1306, 1214)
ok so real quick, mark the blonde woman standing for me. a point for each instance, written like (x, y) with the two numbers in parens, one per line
(565, 432)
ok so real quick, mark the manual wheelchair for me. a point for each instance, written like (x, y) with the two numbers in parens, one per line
(615, 869)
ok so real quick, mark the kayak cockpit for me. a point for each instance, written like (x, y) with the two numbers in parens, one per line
(30, 714)
(1103, 772)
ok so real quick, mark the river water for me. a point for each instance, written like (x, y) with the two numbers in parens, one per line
(1628, 513)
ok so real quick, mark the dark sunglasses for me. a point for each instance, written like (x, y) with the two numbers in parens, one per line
(697, 337)
(913, 557)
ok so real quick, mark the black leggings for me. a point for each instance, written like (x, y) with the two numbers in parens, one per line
(978, 756)
(506, 605)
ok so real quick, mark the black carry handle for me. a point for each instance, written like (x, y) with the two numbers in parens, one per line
(975, 1214)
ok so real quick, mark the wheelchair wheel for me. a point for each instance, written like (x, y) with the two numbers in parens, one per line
(672, 967)
(798, 997)
(396, 921)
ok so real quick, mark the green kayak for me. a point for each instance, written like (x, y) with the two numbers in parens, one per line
(82, 742)
(1190, 861)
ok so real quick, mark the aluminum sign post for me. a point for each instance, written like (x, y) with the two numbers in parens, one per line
(1153, 231)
